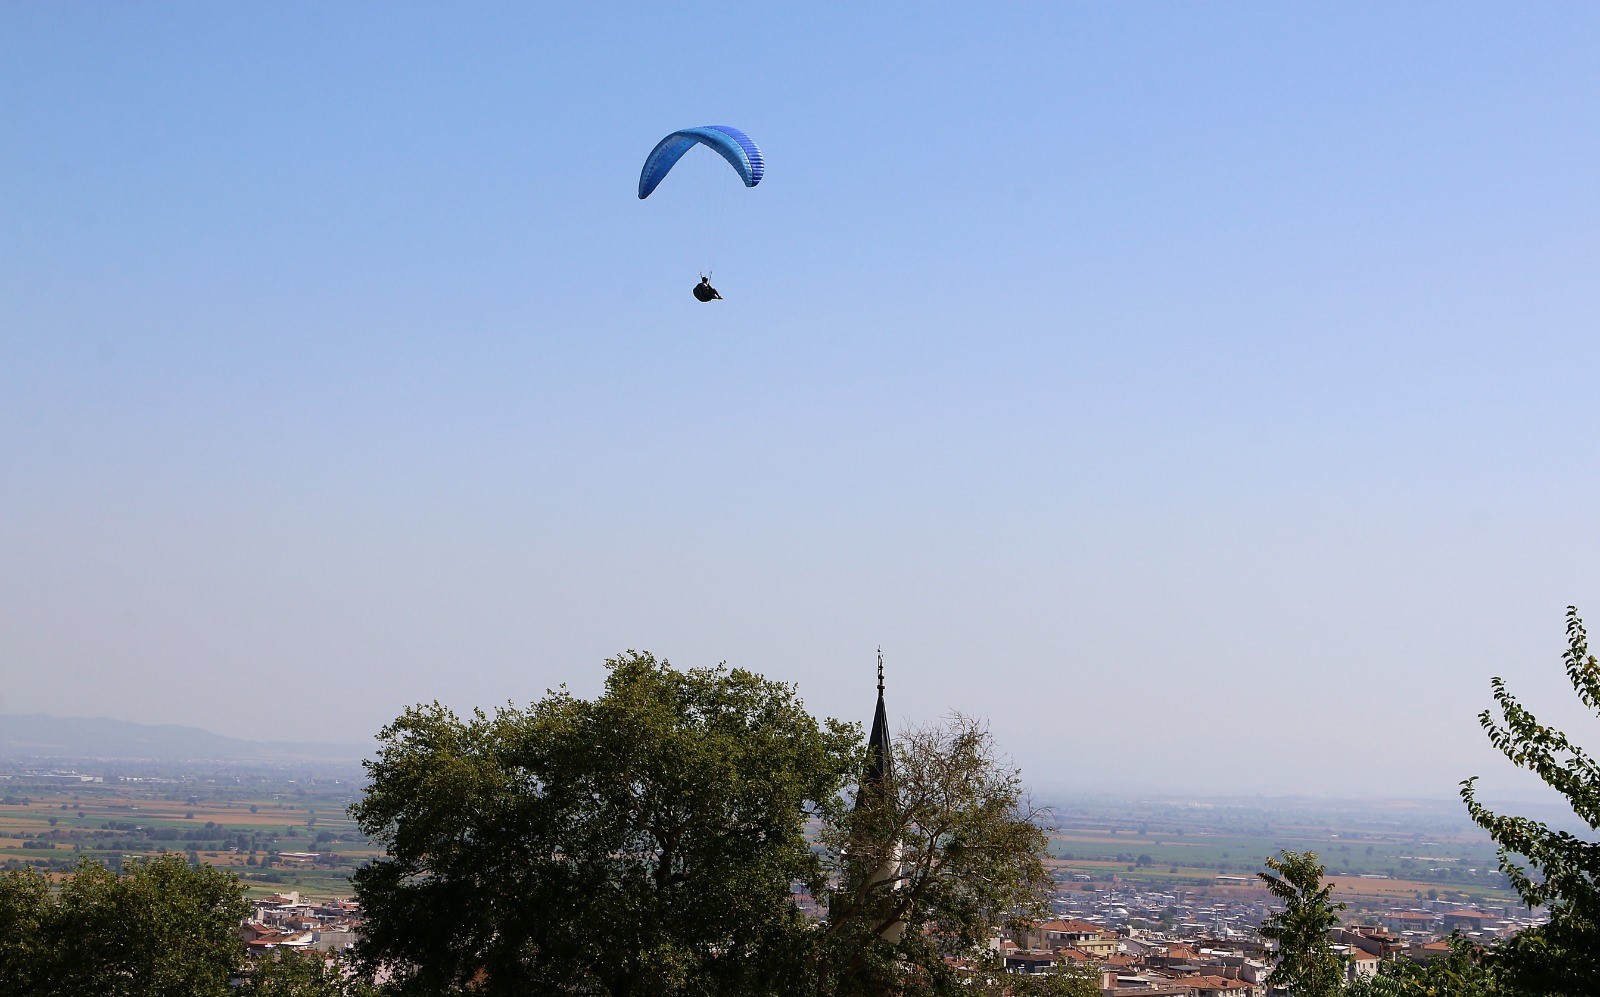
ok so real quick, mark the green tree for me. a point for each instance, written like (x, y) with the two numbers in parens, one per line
(954, 823)
(291, 974)
(161, 928)
(1307, 965)
(644, 842)
(1549, 868)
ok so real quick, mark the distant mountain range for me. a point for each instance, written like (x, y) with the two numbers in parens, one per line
(36, 735)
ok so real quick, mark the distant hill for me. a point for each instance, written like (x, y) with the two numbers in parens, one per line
(36, 735)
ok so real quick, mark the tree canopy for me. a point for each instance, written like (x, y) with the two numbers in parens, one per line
(644, 842)
(161, 927)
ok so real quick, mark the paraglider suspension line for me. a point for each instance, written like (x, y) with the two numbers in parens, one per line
(718, 219)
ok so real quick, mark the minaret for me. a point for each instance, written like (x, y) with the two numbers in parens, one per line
(876, 785)
(880, 753)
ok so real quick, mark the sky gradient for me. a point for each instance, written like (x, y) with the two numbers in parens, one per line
(1205, 394)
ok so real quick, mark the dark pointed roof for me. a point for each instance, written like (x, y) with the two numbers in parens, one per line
(880, 753)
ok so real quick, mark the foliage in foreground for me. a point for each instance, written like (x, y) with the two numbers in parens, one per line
(1552, 868)
(644, 842)
(160, 928)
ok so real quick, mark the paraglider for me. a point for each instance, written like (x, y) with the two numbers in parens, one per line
(704, 291)
(730, 143)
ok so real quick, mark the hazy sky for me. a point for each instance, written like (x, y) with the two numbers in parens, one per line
(1204, 393)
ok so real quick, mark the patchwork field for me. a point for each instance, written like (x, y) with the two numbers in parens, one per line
(275, 832)
(1378, 851)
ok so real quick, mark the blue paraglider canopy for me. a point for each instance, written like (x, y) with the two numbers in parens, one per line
(728, 142)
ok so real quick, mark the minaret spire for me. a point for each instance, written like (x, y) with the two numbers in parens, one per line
(876, 788)
(880, 751)
(869, 889)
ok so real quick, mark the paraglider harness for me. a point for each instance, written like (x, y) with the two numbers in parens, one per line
(703, 291)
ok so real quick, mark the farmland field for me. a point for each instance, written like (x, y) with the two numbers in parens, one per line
(277, 830)
(1373, 850)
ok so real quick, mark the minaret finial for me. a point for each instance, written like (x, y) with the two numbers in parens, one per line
(880, 669)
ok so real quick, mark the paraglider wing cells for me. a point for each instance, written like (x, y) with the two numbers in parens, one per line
(728, 142)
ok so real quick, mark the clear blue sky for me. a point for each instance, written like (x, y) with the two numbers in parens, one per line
(1204, 393)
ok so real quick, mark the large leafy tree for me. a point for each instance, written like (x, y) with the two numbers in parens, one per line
(164, 927)
(965, 849)
(1307, 965)
(1549, 868)
(644, 842)
(160, 928)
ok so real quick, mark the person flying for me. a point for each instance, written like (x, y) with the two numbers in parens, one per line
(703, 291)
